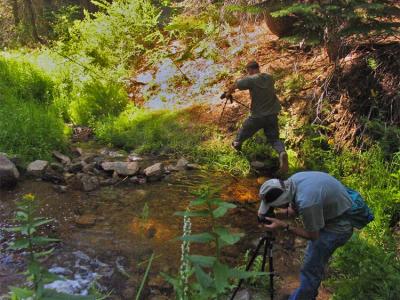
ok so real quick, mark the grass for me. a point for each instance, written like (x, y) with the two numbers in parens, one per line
(29, 127)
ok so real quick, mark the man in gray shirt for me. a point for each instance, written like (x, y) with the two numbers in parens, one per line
(321, 201)
(264, 111)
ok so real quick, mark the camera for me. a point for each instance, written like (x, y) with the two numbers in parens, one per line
(223, 96)
(269, 214)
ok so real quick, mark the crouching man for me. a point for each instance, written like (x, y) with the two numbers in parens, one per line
(323, 204)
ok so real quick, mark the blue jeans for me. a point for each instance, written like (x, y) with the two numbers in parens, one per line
(315, 260)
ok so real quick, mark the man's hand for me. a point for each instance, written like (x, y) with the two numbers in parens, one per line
(276, 224)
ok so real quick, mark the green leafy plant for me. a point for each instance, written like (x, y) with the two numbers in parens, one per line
(211, 277)
(293, 84)
(35, 245)
(98, 100)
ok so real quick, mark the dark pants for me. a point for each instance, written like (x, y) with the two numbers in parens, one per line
(317, 256)
(271, 130)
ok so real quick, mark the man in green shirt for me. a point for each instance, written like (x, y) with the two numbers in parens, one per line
(264, 111)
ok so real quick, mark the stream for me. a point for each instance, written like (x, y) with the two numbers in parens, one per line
(131, 222)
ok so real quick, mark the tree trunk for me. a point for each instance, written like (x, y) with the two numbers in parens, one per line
(32, 20)
(14, 5)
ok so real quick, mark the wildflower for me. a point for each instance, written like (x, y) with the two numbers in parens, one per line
(29, 197)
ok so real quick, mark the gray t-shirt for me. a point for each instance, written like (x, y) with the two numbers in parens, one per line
(264, 101)
(321, 201)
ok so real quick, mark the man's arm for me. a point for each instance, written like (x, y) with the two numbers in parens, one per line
(231, 89)
(279, 224)
(242, 84)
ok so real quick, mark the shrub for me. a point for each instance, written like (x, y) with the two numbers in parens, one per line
(366, 272)
(115, 35)
(98, 99)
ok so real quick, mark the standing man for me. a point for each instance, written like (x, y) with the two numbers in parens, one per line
(325, 206)
(264, 109)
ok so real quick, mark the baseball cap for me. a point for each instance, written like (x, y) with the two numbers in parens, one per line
(267, 188)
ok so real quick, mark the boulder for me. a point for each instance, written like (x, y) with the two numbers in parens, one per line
(8, 173)
(156, 170)
(37, 168)
(121, 168)
(62, 158)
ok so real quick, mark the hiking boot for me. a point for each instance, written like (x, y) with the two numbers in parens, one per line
(237, 146)
(283, 163)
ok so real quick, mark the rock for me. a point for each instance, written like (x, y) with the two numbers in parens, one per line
(138, 180)
(76, 167)
(243, 295)
(89, 183)
(171, 168)
(53, 176)
(88, 158)
(57, 167)
(78, 151)
(182, 164)
(9, 174)
(156, 170)
(85, 220)
(113, 154)
(193, 167)
(62, 158)
(257, 164)
(68, 176)
(122, 168)
(60, 188)
(134, 157)
(37, 168)
(88, 167)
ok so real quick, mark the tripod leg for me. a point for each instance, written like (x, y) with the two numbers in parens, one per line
(264, 261)
(271, 269)
(222, 112)
(250, 263)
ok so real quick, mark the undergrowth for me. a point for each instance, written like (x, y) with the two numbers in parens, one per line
(367, 267)
(29, 127)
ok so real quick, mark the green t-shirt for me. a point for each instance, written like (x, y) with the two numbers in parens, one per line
(264, 101)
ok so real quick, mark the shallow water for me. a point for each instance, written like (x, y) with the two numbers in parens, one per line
(123, 237)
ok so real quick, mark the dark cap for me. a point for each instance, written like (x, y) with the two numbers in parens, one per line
(252, 65)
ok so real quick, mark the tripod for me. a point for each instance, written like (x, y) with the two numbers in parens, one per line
(231, 99)
(266, 240)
